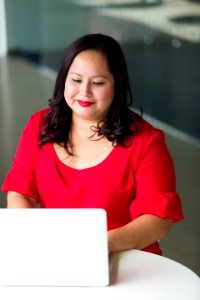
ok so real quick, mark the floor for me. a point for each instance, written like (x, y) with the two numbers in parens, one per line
(26, 88)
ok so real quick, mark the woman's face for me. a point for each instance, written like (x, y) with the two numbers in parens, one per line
(89, 86)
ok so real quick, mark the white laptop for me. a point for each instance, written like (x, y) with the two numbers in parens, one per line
(53, 247)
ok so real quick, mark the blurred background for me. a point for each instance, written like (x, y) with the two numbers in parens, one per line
(161, 42)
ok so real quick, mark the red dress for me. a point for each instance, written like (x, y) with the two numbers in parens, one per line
(131, 181)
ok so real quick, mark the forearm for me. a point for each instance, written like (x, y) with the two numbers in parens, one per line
(15, 200)
(138, 234)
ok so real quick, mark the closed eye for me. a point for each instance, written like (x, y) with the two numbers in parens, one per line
(76, 80)
(98, 83)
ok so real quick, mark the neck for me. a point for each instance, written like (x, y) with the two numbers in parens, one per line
(83, 127)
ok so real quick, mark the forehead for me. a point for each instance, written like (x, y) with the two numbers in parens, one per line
(90, 60)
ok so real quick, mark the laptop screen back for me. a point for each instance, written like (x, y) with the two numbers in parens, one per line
(53, 247)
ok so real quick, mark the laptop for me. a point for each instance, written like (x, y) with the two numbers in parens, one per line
(53, 247)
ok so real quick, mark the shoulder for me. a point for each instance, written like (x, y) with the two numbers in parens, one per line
(36, 119)
(40, 115)
(35, 122)
(148, 141)
(147, 132)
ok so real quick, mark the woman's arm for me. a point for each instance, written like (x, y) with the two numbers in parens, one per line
(15, 200)
(139, 233)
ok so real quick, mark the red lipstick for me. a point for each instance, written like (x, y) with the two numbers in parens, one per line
(84, 103)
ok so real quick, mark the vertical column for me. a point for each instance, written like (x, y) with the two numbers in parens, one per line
(3, 39)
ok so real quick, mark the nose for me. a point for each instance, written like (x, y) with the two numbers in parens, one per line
(85, 89)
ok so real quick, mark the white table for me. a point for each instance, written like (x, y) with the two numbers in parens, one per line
(136, 275)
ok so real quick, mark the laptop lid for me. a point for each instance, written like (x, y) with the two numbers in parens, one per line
(53, 247)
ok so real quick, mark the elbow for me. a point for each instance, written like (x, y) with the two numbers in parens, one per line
(165, 227)
(16, 200)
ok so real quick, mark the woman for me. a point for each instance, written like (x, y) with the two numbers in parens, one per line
(90, 150)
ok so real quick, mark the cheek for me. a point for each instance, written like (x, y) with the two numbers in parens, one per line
(69, 91)
(107, 94)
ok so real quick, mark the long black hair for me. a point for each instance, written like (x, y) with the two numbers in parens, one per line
(120, 122)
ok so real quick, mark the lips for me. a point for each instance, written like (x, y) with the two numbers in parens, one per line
(84, 103)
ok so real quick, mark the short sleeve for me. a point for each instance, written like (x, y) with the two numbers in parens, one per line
(155, 181)
(21, 177)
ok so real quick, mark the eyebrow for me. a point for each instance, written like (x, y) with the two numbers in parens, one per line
(100, 75)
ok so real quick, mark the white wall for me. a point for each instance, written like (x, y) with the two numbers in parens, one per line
(3, 40)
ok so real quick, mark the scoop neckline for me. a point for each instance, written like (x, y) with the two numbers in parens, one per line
(87, 168)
